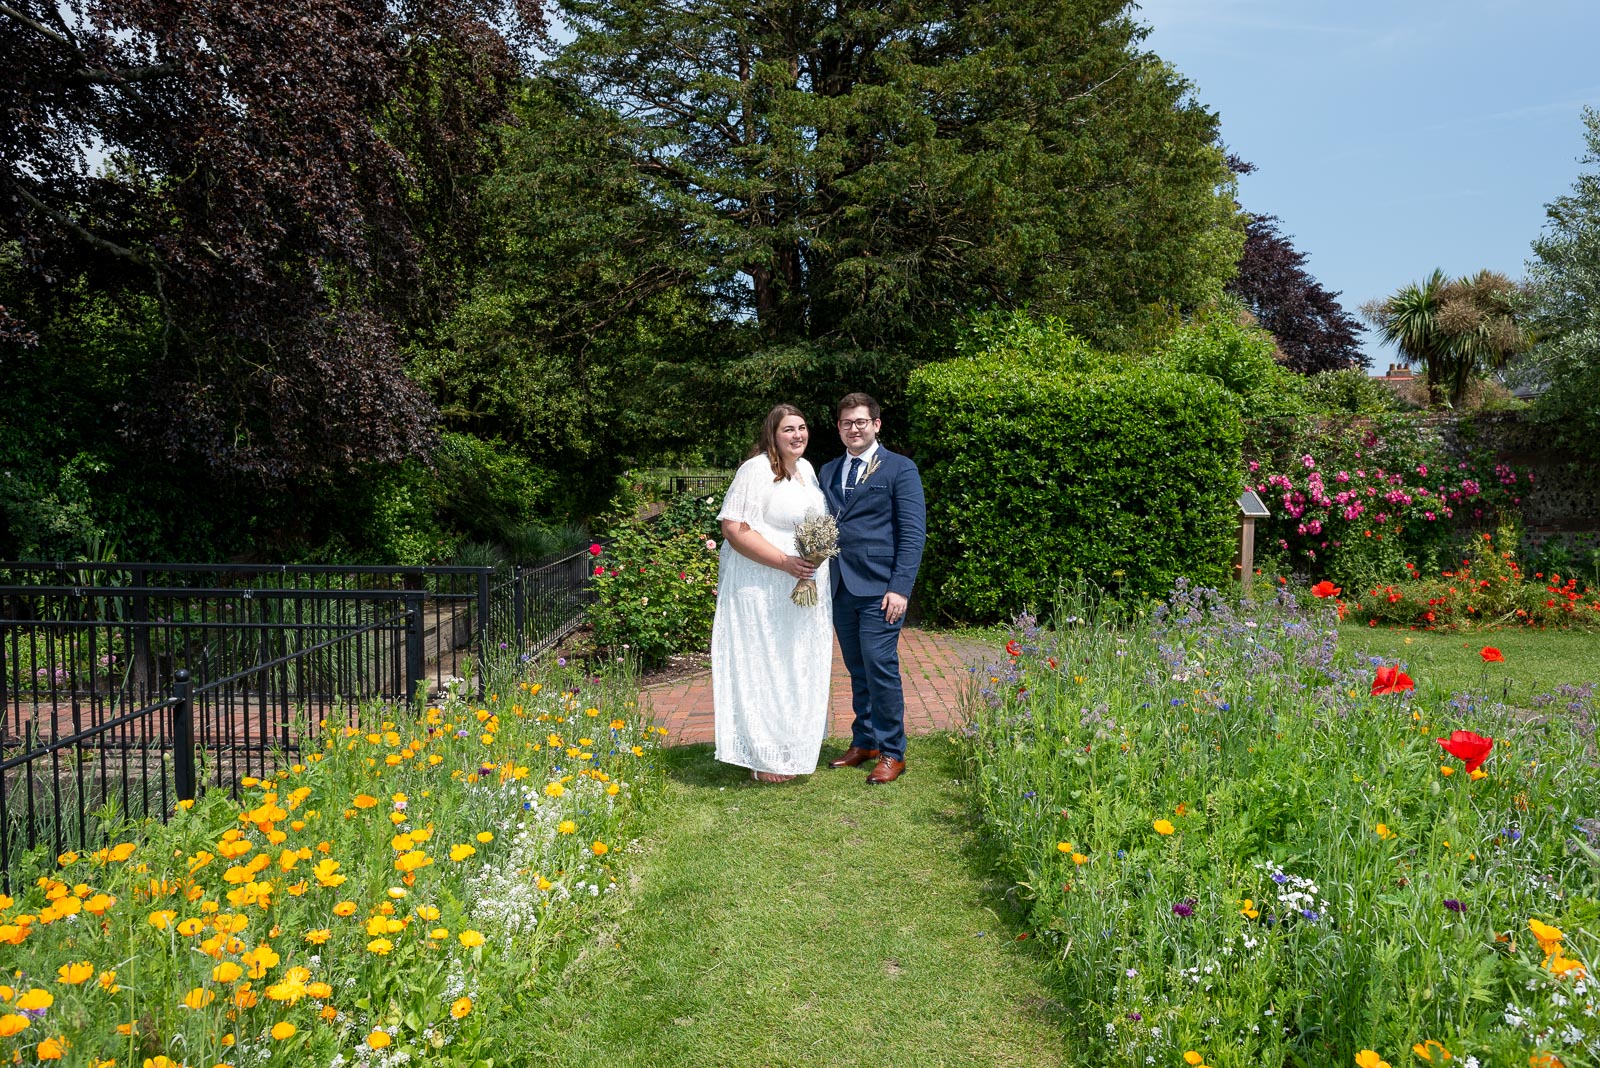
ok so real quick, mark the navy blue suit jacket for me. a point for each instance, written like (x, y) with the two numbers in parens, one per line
(882, 527)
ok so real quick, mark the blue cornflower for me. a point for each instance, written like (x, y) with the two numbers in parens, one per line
(1310, 914)
(1279, 878)
(1176, 701)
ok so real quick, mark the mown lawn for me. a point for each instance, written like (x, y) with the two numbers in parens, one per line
(1537, 661)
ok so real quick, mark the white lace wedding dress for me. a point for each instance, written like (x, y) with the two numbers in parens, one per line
(771, 659)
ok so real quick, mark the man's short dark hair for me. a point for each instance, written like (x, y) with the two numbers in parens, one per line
(855, 400)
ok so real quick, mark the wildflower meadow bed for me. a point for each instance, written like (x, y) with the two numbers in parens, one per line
(388, 900)
(1241, 844)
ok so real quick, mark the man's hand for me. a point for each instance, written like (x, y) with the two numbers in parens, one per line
(894, 607)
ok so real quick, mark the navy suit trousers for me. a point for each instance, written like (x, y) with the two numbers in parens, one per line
(871, 648)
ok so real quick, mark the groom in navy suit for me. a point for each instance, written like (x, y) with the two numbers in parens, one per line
(876, 497)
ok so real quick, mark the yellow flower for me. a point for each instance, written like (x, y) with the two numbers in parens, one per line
(1384, 832)
(326, 872)
(1250, 911)
(318, 936)
(73, 974)
(1425, 1050)
(345, 908)
(161, 919)
(459, 853)
(554, 789)
(1446, 770)
(485, 837)
(362, 801)
(378, 1040)
(411, 861)
(380, 946)
(11, 1023)
(1191, 1057)
(226, 972)
(1549, 937)
(617, 725)
(566, 827)
(35, 999)
(283, 1029)
(1063, 847)
(460, 1007)
(1163, 826)
(471, 939)
(600, 849)
(427, 912)
(199, 997)
(51, 1049)
(1369, 1059)
(1079, 858)
(637, 751)
(439, 934)
(1477, 773)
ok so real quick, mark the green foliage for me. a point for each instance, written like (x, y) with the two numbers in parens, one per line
(1565, 275)
(1226, 844)
(1032, 478)
(1236, 355)
(1350, 391)
(1488, 588)
(1363, 500)
(656, 584)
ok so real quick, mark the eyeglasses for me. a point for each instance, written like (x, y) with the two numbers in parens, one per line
(854, 424)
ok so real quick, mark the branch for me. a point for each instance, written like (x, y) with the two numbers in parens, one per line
(120, 77)
(37, 27)
(95, 240)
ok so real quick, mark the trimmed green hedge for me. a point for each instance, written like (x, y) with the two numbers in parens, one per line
(1034, 477)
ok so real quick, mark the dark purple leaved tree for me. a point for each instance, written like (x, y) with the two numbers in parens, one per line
(1313, 331)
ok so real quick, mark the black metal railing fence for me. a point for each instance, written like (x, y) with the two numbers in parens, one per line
(93, 656)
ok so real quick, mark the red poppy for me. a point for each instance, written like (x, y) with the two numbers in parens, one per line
(1472, 749)
(1326, 589)
(1013, 649)
(1491, 655)
(1391, 680)
(595, 550)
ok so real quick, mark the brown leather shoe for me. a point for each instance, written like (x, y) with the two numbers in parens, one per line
(887, 770)
(854, 757)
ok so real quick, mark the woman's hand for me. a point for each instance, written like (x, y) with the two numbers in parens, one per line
(799, 567)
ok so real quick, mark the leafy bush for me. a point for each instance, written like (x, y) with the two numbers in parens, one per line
(1236, 839)
(1487, 589)
(1238, 356)
(1129, 480)
(1358, 503)
(402, 894)
(656, 583)
(1351, 391)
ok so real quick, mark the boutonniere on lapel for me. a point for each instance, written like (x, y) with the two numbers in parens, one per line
(872, 465)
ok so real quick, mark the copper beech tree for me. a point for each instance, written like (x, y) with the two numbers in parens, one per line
(280, 181)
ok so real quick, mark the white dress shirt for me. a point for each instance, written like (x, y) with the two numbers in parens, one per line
(866, 462)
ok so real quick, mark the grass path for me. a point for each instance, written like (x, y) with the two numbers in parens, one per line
(822, 922)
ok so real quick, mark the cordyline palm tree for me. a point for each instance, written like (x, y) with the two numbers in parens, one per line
(1453, 328)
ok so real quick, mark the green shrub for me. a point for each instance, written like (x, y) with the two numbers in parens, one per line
(656, 584)
(1129, 480)
(1239, 357)
(1350, 392)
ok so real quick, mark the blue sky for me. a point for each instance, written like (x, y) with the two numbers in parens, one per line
(1394, 136)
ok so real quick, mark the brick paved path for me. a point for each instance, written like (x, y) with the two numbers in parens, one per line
(933, 667)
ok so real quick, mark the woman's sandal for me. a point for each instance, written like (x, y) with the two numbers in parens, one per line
(768, 777)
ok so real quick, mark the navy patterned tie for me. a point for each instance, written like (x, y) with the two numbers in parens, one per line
(854, 474)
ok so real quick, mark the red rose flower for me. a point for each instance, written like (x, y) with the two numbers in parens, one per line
(1472, 749)
(1491, 655)
(1391, 680)
(1326, 589)
(595, 550)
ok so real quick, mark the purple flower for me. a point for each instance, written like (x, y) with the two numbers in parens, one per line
(1183, 909)
(1311, 914)
(1279, 878)
(1135, 1017)
(1453, 905)
(561, 661)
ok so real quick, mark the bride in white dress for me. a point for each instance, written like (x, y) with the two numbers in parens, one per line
(771, 659)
